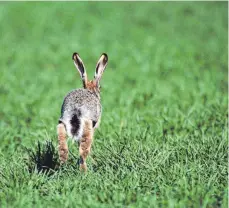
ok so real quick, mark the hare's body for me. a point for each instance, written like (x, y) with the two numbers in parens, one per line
(81, 112)
(80, 105)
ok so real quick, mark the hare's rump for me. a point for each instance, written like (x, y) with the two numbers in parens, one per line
(79, 105)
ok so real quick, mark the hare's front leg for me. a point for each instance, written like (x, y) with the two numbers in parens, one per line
(63, 147)
(85, 144)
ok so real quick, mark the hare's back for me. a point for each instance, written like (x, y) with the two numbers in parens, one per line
(85, 101)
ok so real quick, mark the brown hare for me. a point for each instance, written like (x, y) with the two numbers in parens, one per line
(81, 111)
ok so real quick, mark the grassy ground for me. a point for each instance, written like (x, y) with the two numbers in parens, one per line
(163, 135)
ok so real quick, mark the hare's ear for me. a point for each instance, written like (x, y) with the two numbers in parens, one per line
(100, 67)
(80, 67)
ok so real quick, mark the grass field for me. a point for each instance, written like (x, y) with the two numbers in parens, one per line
(162, 141)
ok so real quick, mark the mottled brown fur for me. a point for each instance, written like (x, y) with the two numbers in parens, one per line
(85, 144)
(63, 147)
(92, 86)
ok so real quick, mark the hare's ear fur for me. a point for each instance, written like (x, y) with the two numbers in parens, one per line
(80, 67)
(100, 67)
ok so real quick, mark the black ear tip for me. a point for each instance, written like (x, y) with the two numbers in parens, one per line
(74, 55)
(106, 56)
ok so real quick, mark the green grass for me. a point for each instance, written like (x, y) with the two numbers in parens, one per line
(162, 141)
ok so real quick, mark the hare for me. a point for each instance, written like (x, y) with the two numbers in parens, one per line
(81, 112)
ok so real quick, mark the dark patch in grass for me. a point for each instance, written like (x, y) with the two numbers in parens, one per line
(17, 141)
(3, 90)
(143, 99)
(188, 11)
(44, 158)
(28, 120)
(130, 81)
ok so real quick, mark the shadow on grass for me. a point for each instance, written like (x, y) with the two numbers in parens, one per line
(44, 158)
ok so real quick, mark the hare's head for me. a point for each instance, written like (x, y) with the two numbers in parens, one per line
(92, 85)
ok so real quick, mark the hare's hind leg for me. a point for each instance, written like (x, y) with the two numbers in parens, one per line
(85, 144)
(63, 147)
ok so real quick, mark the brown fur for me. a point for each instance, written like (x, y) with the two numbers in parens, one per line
(87, 138)
(85, 144)
(63, 147)
(92, 86)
